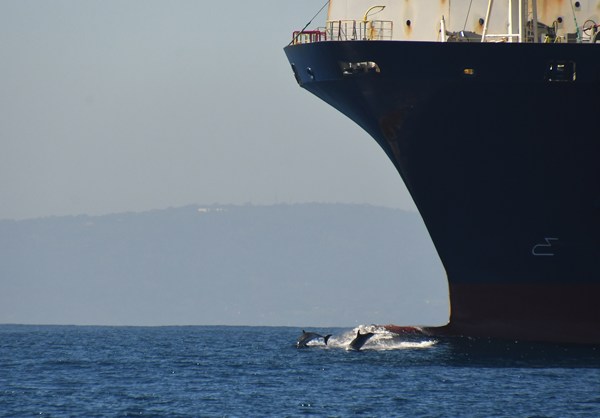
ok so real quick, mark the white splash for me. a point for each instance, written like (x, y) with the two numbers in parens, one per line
(381, 341)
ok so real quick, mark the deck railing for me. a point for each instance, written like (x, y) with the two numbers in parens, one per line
(309, 36)
(352, 30)
(347, 30)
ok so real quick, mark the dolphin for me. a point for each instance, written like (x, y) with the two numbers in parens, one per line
(360, 340)
(306, 337)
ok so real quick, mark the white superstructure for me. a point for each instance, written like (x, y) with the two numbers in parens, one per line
(443, 20)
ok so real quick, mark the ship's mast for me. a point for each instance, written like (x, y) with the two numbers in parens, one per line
(523, 11)
(534, 22)
(486, 20)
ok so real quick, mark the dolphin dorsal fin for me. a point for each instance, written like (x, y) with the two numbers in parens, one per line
(358, 333)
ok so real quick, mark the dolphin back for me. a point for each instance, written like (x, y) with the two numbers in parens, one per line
(304, 339)
(360, 340)
(307, 337)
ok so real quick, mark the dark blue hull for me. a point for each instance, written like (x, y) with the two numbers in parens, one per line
(498, 146)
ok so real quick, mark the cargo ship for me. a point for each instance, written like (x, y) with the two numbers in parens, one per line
(489, 110)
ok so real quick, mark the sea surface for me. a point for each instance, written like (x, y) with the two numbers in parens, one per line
(257, 371)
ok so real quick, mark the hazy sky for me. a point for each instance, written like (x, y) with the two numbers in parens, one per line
(109, 106)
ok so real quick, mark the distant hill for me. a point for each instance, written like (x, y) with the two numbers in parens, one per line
(299, 265)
